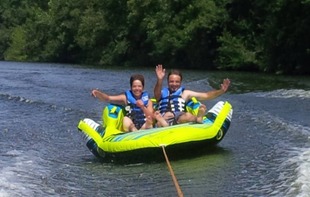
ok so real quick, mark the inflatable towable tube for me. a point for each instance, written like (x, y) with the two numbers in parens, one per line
(110, 139)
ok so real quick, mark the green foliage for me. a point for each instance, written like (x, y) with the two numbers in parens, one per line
(241, 44)
(175, 31)
(4, 40)
(234, 54)
(17, 48)
(288, 44)
(270, 36)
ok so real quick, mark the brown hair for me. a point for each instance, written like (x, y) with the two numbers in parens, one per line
(136, 77)
(174, 72)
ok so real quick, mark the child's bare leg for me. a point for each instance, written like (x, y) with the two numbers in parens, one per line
(128, 125)
(148, 123)
(201, 112)
(161, 122)
(132, 127)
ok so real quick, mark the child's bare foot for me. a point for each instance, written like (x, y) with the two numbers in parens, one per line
(201, 112)
(161, 122)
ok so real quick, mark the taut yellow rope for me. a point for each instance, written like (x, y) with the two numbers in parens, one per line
(175, 181)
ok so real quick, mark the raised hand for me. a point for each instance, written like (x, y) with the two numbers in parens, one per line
(94, 92)
(225, 84)
(160, 71)
(140, 103)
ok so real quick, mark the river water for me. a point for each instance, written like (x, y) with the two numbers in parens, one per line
(266, 151)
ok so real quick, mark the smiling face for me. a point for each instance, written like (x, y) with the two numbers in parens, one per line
(174, 82)
(137, 88)
(137, 85)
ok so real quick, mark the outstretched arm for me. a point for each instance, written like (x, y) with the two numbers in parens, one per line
(119, 99)
(208, 95)
(160, 73)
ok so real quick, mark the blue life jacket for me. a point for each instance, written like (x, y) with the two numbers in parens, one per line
(171, 102)
(134, 112)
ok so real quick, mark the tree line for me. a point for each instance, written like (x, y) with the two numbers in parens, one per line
(257, 35)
